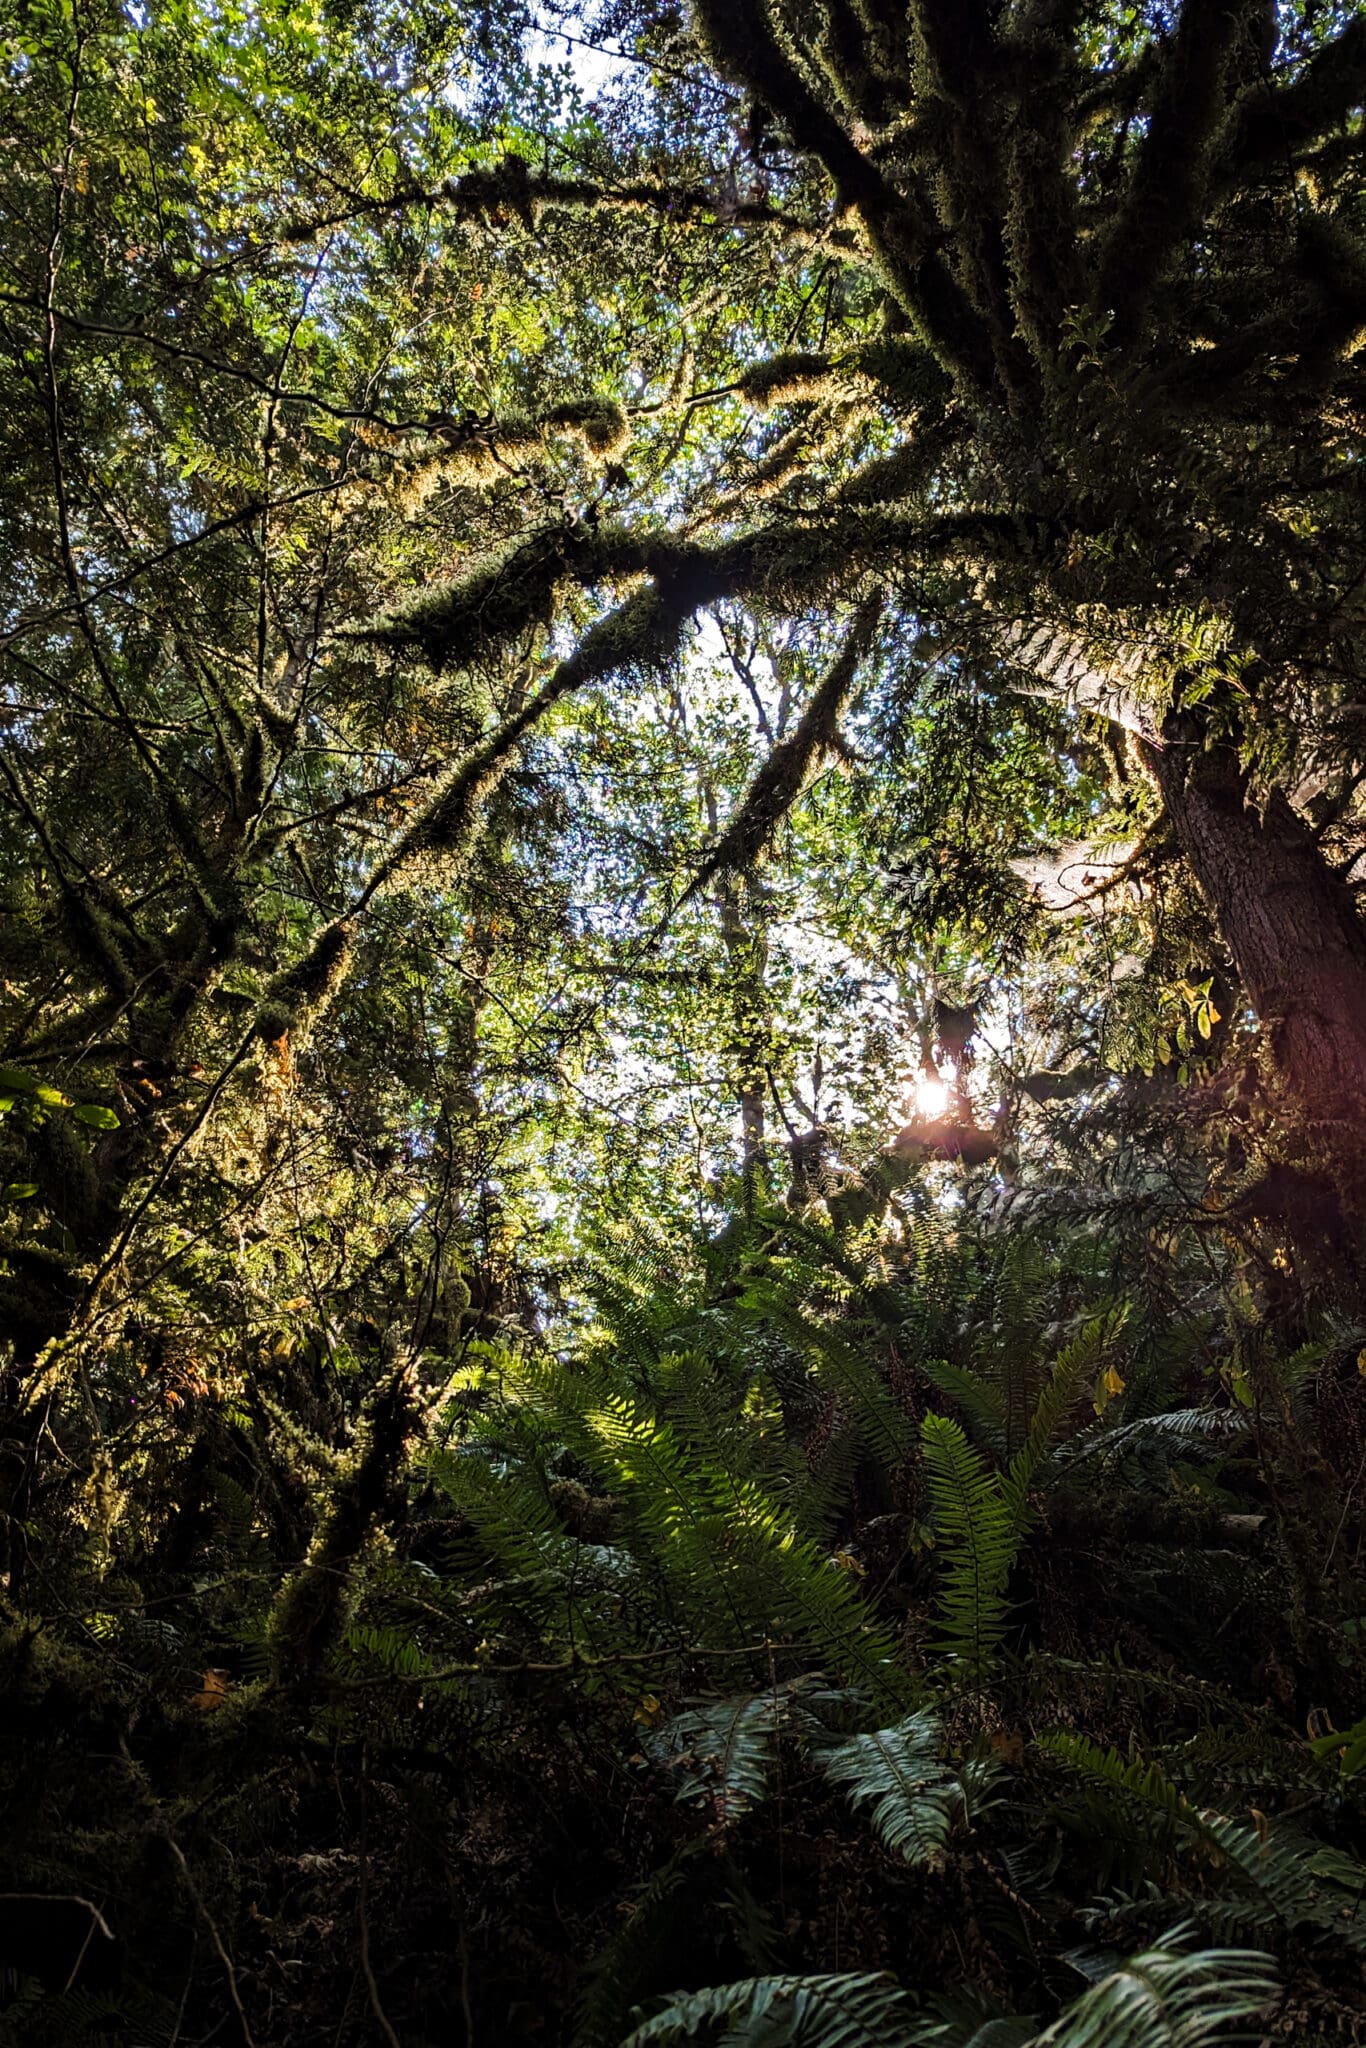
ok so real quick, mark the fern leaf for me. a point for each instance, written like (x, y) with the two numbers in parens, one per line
(978, 1533)
(980, 1400)
(916, 1798)
(724, 1751)
(1166, 1998)
(855, 2011)
(1294, 1881)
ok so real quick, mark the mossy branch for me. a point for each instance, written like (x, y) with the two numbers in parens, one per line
(315, 1605)
(510, 187)
(784, 774)
(738, 37)
(1268, 124)
(1168, 183)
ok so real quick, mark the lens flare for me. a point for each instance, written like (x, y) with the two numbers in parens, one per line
(930, 1097)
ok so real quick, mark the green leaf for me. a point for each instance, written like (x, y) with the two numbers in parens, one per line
(21, 1190)
(96, 1115)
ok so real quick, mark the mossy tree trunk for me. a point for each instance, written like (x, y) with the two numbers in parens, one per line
(1296, 937)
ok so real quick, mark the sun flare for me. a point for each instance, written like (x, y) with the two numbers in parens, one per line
(930, 1097)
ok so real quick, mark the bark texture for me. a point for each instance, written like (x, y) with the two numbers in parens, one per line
(1295, 935)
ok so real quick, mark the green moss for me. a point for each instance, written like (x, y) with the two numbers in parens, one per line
(315, 1605)
(297, 999)
(787, 379)
(600, 424)
(479, 614)
(905, 372)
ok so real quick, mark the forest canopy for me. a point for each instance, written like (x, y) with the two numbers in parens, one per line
(683, 1023)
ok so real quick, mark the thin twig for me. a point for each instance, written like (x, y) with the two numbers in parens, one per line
(216, 1938)
(97, 1918)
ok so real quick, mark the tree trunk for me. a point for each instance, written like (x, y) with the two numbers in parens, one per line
(747, 950)
(1296, 937)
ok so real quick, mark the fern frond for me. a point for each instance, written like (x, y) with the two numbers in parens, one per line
(977, 1529)
(1167, 1998)
(1181, 1432)
(965, 2021)
(1288, 1879)
(1135, 1783)
(724, 1751)
(868, 2010)
(916, 1799)
(980, 1400)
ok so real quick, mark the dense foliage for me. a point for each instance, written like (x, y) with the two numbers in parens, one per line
(683, 1014)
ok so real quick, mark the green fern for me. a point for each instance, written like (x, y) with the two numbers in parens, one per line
(1133, 1801)
(1287, 1880)
(963, 2021)
(977, 1531)
(984, 1516)
(1165, 1998)
(916, 1799)
(724, 1751)
(855, 2011)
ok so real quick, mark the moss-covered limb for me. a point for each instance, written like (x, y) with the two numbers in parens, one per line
(474, 452)
(956, 47)
(479, 615)
(784, 774)
(98, 926)
(512, 187)
(1319, 319)
(482, 614)
(848, 52)
(787, 379)
(961, 77)
(315, 1605)
(905, 372)
(1332, 262)
(486, 612)
(884, 26)
(784, 564)
(904, 473)
(1169, 180)
(740, 41)
(1041, 213)
(1114, 94)
(643, 631)
(296, 999)
(1267, 124)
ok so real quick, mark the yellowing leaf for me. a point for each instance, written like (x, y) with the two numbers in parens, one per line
(1112, 1381)
(649, 1712)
